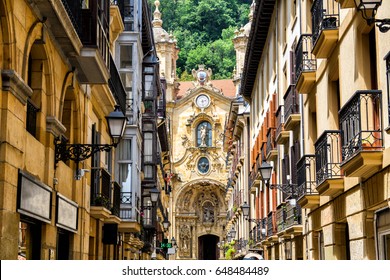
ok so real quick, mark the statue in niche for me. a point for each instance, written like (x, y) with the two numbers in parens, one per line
(185, 241)
(186, 201)
(203, 135)
(208, 212)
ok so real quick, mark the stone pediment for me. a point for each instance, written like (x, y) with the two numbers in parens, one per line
(191, 94)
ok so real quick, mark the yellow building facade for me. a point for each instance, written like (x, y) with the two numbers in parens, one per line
(322, 85)
(59, 82)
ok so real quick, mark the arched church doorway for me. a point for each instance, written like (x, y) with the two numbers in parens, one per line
(207, 247)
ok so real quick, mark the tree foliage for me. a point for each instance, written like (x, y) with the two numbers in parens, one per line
(204, 30)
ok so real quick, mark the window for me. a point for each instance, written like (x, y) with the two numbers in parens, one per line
(128, 15)
(288, 250)
(203, 135)
(321, 248)
(387, 59)
(148, 146)
(125, 165)
(127, 81)
(383, 234)
(31, 119)
(126, 56)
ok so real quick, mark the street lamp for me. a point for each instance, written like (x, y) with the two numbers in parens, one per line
(173, 241)
(166, 224)
(265, 171)
(233, 233)
(229, 237)
(154, 194)
(116, 122)
(245, 212)
(369, 8)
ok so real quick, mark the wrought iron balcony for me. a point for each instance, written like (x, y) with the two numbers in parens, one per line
(281, 217)
(361, 133)
(306, 190)
(271, 223)
(126, 206)
(116, 199)
(116, 86)
(92, 26)
(291, 108)
(130, 112)
(271, 147)
(293, 215)
(305, 64)
(328, 160)
(325, 22)
(100, 193)
(281, 134)
(261, 230)
(127, 12)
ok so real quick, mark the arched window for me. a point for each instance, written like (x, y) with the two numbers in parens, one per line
(204, 134)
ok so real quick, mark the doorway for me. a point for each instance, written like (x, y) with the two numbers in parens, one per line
(207, 247)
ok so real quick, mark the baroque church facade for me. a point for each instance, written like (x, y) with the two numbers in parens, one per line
(197, 113)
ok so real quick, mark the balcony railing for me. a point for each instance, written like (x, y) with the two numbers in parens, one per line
(281, 218)
(261, 227)
(279, 120)
(73, 9)
(116, 86)
(116, 199)
(328, 156)
(271, 223)
(126, 208)
(127, 12)
(238, 198)
(130, 113)
(306, 176)
(360, 123)
(304, 59)
(291, 102)
(293, 215)
(101, 188)
(271, 141)
(325, 15)
(91, 24)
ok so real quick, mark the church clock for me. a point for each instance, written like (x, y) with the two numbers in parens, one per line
(202, 101)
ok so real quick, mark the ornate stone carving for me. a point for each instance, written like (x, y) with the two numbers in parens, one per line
(185, 241)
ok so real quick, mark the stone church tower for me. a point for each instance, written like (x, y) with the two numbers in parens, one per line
(240, 42)
(196, 114)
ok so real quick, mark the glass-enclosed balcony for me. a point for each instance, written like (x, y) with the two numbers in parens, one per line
(361, 134)
(325, 23)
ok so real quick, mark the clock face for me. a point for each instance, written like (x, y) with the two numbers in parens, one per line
(202, 101)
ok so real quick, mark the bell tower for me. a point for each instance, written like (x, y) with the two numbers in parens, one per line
(167, 52)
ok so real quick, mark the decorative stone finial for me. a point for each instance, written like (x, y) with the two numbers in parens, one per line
(252, 10)
(157, 22)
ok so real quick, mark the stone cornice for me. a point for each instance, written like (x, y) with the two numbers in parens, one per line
(12, 82)
(54, 126)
